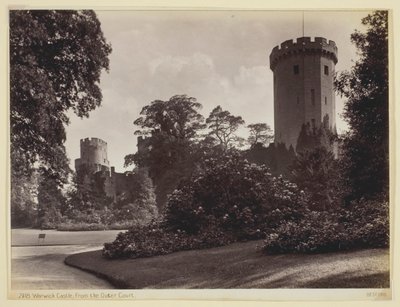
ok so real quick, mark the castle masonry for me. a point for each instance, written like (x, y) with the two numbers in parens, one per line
(93, 160)
(93, 155)
(303, 87)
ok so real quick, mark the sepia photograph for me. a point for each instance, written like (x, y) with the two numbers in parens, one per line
(198, 149)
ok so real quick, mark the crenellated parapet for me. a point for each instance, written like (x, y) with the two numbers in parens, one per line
(93, 142)
(93, 155)
(304, 45)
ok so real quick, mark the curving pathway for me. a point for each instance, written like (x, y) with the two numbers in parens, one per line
(41, 265)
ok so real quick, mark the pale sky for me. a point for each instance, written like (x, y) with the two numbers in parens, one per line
(218, 57)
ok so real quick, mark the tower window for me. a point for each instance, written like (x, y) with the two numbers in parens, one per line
(326, 100)
(326, 70)
(313, 97)
(296, 69)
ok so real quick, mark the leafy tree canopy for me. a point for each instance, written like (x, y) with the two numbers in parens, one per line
(223, 125)
(366, 146)
(172, 128)
(177, 117)
(56, 58)
(260, 133)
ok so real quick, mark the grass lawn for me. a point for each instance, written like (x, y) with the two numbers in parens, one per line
(241, 265)
(29, 237)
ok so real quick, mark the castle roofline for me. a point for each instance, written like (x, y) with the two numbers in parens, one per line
(303, 44)
(93, 140)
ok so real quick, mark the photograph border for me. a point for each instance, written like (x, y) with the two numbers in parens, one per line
(213, 297)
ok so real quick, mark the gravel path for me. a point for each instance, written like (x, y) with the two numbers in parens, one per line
(43, 267)
(40, 265)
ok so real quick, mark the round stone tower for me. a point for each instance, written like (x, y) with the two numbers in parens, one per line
(93, 155)
(303, 87)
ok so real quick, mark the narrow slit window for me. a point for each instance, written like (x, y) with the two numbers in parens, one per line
(326, 70)
(326, 100)
(296, 69)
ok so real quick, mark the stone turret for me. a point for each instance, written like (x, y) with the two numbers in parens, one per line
(303, 87)
(93, 155)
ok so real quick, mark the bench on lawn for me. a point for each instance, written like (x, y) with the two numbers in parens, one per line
(41, 236)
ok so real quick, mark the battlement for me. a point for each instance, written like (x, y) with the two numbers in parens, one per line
(303, 44)
(93, 141)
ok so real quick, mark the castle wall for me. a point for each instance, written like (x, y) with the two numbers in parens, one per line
(327, 90)
(94, 159)
(93, 155)
(303, 86)
(289, 97)
(94, 150)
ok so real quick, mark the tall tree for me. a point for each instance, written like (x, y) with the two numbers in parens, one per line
(56, 58)
(316, 170)
(172, 129)
(260, 133)
(50, 200)
(366, 146)
(177, 117)
(223, 126)
(139, 201)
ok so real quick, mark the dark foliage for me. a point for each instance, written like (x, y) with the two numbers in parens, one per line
(154, 240)
(237, 194)
(50, 201)
(318, 172)
(366, 225)
(223, 126)
(260, 133)
(366, 146)
(227, 200)
(56, 58)
(171, 128)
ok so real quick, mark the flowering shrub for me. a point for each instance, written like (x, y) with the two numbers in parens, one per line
(232, 200)
(364, 225)
(236, 195)
(153, 240)
(229, 200)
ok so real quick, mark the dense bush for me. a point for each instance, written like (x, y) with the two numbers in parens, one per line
(228, 200)
(236, 195)
(152, 240)
(91, 219)
(231, 200)
(317, 172)
(81, 226)
(364, 225)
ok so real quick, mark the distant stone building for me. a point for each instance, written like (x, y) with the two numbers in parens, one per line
(303, 87)
(93, 156)
(94, 160)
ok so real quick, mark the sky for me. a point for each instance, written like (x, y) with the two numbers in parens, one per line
(218, 57)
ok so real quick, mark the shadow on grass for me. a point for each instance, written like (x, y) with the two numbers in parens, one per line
(240, 265)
